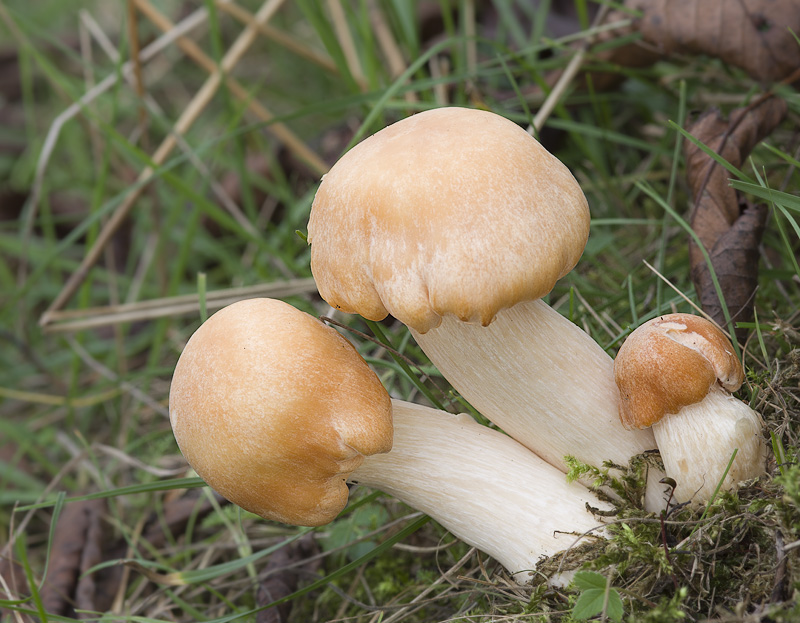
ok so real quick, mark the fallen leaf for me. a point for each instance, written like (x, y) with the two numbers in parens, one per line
(82, 541)
(728, 229)
(77, 546)
(757, 36)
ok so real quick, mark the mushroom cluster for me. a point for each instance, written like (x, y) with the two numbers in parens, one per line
(278, 412)
(457, 223)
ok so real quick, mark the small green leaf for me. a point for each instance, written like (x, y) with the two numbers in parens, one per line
(614, 609)
(595, 593)
(589, 603)
(585, 580)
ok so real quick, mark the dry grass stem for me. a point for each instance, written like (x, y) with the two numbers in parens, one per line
(151, 51)
(470, 32)
(133, 37)
(689, 301)
(261, 112)
(125, 386)
(446, 576)
(88, 318)
(197, 138)
(567, 76)
(282, 38)
(342, 30)
(389, 47)
(439, 68)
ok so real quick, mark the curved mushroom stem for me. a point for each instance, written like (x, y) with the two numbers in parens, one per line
(697, 444)
(276, 411)
(484, 487)
(542, 380)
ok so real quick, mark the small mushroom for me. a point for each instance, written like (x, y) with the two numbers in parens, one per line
(676, 373)
(456, 222)
(277, 412)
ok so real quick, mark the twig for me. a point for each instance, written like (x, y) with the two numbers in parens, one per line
(90, 26)
(593, 313)
(73, 110)
(193, 51)
(683, 296)
(418, 600)
(216, 188)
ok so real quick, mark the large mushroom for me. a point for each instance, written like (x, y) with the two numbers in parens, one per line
(456, 222)
(676, 374)
(277, 412)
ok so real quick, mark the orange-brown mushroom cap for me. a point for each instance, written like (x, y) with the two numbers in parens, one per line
(671, 362)
(452, 211)
(274, 410)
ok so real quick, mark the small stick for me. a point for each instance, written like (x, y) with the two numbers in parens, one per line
(92, 317)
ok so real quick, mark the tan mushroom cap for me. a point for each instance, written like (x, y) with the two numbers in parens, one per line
(274, 410)
(670, 362)
(451, 211)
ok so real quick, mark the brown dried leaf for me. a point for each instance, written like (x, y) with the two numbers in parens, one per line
(77, 546)
(755, 35)
(729, 231)
(81, 542)
(735, 261)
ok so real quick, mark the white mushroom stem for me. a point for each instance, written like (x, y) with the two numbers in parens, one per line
(481, 485)
(697, 444)
(277, 412)
(544, 381)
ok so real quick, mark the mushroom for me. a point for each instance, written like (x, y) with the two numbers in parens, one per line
(675, 374)
(277, 412)
(456, 222)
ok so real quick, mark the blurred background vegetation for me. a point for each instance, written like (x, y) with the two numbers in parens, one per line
(158, 159)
